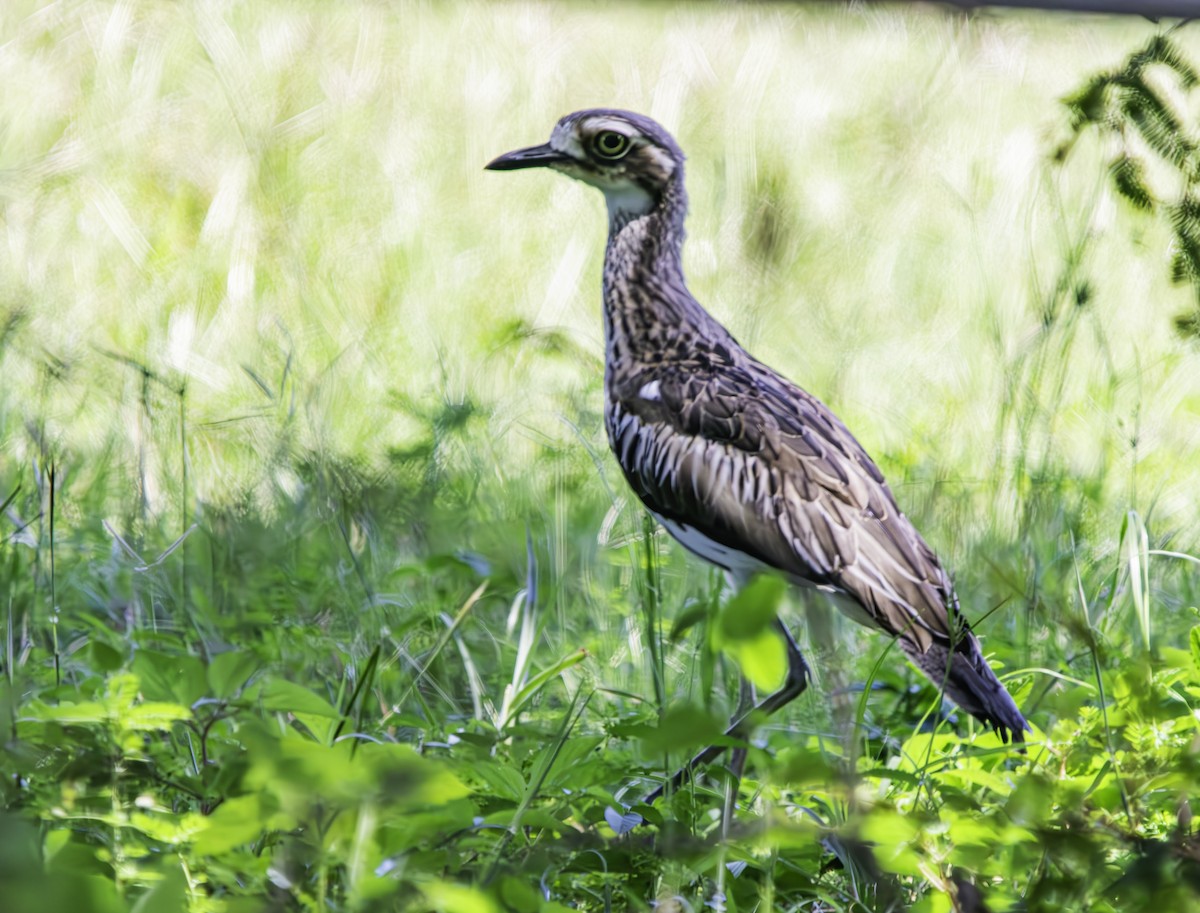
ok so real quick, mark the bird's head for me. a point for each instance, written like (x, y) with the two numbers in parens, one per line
(629, 157)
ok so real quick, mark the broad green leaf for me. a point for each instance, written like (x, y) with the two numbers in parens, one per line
(168, 828)
(300, 772)
(409, 779)
(169, 676)
(999, 783)
(235, 822)
(966, 829)
(504, 780)
(229, 671)
(934, 902)
(801, 765)
(539, 681)
(540, 818)
(322, 727)
(762, 658)
(1031, 802)
(683, 726)
(153, 715)
(752, 609)
(448, 897)
(692, 615)
(573, 760)
(104, 657)
(519, 895)
(280, 695)
(894, 836)
(121, 691)
(55, 841)
(168, 896)
(889, 828)
(81, 713)
(66, 856)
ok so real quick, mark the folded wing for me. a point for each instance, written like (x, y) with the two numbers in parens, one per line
(724, 446)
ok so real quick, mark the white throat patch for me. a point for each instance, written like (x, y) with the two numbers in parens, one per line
(627, 200)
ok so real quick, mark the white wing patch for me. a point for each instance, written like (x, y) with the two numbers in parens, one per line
(650, 391)
(738, 563)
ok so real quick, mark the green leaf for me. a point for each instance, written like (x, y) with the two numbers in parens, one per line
(934, 902)
(1187, 325)
(301, 772)
(687, 619)
(153, 715)
(168, 896)
(280, 695)
(104, 657)
(1155, 121)
(1130, 181)
(1194, 641)
(169, 676)
(82, 713)
(574, 759)
(1162, 50)
(896, 837)
(504, 781)
(540, 680)
(235, 822)
(762, 659)
(519, 895)
(228, 672)
(1089, 105)
(682, 726)
(168, 828)
(751, 610)
(542, 819)
(448, 897)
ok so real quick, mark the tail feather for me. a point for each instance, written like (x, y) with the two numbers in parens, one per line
(965, 677)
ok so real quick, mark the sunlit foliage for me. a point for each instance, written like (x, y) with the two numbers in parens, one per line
(318, 587)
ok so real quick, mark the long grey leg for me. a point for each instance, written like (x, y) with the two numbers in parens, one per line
(747, 698)
(793, 687)
(737, 757)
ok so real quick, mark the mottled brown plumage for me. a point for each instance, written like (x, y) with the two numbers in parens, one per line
(742, 466)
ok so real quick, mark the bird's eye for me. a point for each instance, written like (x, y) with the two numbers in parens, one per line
(608, 144)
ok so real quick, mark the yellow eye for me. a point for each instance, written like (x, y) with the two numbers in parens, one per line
(608, 144)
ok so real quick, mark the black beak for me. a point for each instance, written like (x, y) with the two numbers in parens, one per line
(533, 157)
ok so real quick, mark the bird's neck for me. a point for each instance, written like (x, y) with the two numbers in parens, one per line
(647, 306)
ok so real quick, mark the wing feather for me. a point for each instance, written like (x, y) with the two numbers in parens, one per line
(760, 466)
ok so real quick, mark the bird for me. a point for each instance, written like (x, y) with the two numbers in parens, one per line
(743, 467)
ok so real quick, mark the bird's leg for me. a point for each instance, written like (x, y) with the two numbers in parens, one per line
(737, 757)
(793, 687)
(747, 698)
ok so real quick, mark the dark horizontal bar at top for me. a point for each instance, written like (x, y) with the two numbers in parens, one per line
(1150, 9)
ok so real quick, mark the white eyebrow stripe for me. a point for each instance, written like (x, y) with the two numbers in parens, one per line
(609, 123)
(650, 391)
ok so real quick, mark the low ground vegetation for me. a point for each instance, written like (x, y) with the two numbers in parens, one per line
(320, 590)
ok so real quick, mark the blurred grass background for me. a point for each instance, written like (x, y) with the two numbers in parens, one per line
(278, 215)
(253, 276)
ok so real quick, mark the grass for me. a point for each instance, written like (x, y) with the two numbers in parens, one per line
(320, 588)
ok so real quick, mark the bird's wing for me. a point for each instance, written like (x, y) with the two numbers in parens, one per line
(756, 464)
